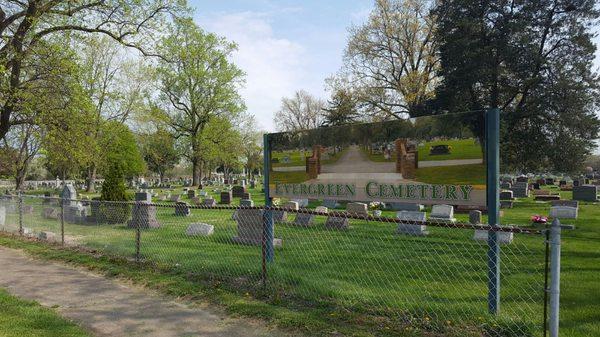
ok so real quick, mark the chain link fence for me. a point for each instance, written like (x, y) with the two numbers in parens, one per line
(427, 277)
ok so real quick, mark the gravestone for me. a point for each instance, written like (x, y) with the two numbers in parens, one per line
(520, 190)
(412, 226)
(182, 209)
(203, 194)
(505, 185)
(506, 204)
(442, 213)
(329, 203)
(143, 214)
(302, 203)
(322, 209)
(197, 201)
(238, 191)
(175, 198)
(247, 196)
(27, 209)
(250, 227)
(252, 184)
(506, 195)
(536, 186)
(522, 179)
(585, 193)
(405, 206)
(75, 213)
(46, 236)
(199, 229)
(51, 213)
(304, 219)
(191, 194)
(2, 215)
(565, 203)
(291, 205)
(209, 202)
(357, 208)
(475, 217)
(550, 181)
(576, 183)
(562, 183)
(143, 196)
(336, 222)
(69, 194)
(501, 237)
(563, 212)
(247, 203)
(226, 197)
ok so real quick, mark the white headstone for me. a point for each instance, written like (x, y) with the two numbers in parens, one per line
(563, 212)
(301, 202)
(442, 212)
(201, 229)
(322, 209)
(501, 237)
(411, 228)
(2, 215)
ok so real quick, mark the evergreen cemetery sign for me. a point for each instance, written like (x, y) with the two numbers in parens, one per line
(425, 160)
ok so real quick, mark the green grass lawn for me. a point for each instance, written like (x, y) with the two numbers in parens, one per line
(461, 149)
(366, 279)
(298, 159)
(458, 175)
(20, 318)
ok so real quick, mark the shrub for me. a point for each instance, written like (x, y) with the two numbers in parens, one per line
(113, 189)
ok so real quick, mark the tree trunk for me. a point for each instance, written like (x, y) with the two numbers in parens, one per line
(195, 172)
(91, 180)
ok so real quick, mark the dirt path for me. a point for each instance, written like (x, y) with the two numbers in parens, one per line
(354, 161)
(108, 308)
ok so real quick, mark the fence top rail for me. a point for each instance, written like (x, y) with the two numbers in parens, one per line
(332, 213)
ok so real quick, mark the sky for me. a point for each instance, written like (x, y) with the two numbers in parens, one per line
(285, 45)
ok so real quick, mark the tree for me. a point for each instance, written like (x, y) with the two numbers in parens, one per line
(116, 87)
(533, 60)
(391, 60)
(221, 145)
(251, 145)
(25, 25)
(159, 152)
(341, 109)
(199, 83)
(300, 112)
(121, 150)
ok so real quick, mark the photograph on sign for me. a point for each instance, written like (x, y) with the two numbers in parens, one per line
(428, 160)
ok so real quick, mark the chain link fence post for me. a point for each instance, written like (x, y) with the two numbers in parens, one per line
(62, 221)
(138, 230)
(555, 230)
(20, 201)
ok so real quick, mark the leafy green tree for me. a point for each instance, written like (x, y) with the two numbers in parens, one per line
(114, 188)
(531, 59)
(159, 152)
(199, 83)
(121, 150)
(26, 25)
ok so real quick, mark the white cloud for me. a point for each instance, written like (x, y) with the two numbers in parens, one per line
(273, 65)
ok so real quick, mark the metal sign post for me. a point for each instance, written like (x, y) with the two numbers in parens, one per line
(492, 136)
(268, 232)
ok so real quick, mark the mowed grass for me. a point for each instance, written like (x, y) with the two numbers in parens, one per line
(368, 274)
(461, 149)
(298, 158)
(456, 175)
(20, 318)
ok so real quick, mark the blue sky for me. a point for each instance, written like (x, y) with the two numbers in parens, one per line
(284, 45)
